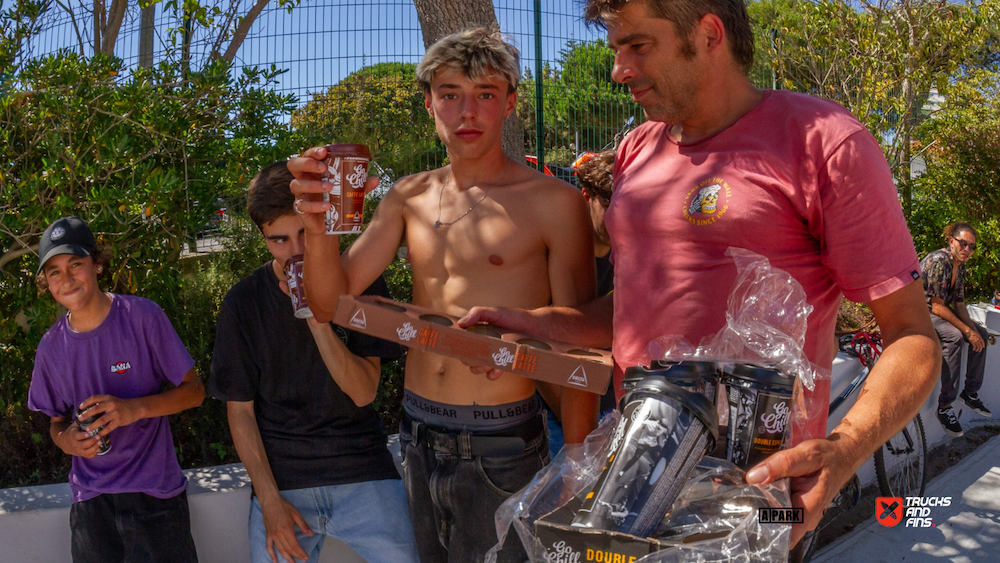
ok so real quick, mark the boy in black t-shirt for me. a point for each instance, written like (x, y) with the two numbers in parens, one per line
(297, 395)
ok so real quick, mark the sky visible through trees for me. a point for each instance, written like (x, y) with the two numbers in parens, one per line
(321, 42)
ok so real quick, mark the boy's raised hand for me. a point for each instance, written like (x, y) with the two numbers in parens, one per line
(308, 188)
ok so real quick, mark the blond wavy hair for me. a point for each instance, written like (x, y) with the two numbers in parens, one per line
(477, 53)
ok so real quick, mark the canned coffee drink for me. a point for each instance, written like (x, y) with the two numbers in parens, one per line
(293, 272)
(695, 376)
(347, 170)
(760, 401)
(85, 423)
(663, 433)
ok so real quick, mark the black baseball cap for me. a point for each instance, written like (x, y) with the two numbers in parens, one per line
(68, 235)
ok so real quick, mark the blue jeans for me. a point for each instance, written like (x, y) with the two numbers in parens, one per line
(132, 528)
(556, 440)
(371, 517)
(454, 498)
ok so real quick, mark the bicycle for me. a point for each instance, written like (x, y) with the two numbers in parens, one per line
(900, 464)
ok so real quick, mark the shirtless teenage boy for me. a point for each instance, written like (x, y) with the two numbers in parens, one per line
(484, 230)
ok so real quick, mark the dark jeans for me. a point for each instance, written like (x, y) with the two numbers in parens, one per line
(453, 498)
(132, 528)
(951, 351)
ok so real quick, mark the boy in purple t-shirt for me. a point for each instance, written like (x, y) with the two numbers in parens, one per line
(106, 361)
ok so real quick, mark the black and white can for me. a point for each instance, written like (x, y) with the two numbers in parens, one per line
(695, 376)
(663, 433)
(86, 423)
(760, 405)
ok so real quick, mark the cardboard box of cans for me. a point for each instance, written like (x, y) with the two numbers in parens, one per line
(431, 331)
(563, 542)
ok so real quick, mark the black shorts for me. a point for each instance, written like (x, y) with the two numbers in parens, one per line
(132, 528)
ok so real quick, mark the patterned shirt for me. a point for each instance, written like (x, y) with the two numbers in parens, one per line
(935, 272)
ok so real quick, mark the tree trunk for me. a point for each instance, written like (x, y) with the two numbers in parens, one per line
(243, 29)
(113, 24)
(14, 254)
(146, 31)
(99, 17)
(439, 18)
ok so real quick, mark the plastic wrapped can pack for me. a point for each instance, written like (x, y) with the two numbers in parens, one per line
(663, 433)
(695, 376)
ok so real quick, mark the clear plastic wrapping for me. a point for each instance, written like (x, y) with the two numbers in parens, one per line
(766, 320)
(658, 443)
(575, 468)
(714, 519)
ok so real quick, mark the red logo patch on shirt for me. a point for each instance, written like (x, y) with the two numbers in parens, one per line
(707, 202)
(120, 367)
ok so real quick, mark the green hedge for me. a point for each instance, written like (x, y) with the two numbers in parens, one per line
(201, 435)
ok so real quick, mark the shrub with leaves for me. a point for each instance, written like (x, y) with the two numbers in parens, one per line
(962, 182)
(143, 159)
(381, 106)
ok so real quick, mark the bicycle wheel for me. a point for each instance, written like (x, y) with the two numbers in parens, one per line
(901, 463)
(845, 500)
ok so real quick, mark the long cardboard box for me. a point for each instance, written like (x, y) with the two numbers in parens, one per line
(431, 331)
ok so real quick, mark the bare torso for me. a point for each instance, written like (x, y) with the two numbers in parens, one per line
(497, 255)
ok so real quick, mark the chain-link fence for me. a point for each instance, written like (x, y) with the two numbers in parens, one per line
(350, 65)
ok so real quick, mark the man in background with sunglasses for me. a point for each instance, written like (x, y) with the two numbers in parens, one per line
(943, 274)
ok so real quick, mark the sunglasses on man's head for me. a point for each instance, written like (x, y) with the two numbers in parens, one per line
(966, 244)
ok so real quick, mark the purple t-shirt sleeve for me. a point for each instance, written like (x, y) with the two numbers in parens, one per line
(43, 396)
(865, 241)
(171, 359)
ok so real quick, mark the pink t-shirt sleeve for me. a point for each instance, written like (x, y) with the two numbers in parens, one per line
(866, 244)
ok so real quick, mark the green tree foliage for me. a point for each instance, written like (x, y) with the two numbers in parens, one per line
(17, 24)
(381, 106)
(962, 180)
(143, 158)
(581, 101)
(878, 58)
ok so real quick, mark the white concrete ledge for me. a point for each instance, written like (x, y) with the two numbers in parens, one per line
(34, 521)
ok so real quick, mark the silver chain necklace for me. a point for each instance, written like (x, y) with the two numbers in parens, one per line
(439, 223)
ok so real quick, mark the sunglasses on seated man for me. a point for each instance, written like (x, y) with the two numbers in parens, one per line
(965, 244)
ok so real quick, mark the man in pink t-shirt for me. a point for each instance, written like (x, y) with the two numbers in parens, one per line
(814, 195)
(722, 164)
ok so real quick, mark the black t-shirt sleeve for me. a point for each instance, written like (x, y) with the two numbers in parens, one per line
(368, 346)
(234, 374)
